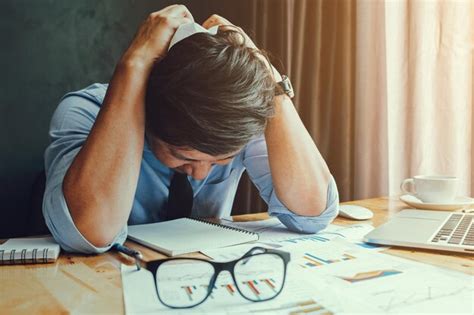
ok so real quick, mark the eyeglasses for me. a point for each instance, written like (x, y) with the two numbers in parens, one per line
(258, 276)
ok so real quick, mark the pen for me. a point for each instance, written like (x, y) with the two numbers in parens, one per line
(130, 252)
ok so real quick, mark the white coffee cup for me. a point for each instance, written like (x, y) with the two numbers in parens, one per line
(431, 188)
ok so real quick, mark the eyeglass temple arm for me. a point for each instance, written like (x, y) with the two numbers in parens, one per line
(285, 255)
(254, 249)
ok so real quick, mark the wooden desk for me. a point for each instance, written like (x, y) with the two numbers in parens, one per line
(92, 284)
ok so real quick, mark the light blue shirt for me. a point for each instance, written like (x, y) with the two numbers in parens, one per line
(213, 196)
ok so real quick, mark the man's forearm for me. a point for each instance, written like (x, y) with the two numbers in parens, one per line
(100, 185)
(300, 174)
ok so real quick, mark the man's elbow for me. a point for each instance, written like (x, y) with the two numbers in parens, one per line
(99, 240)
(76, 231)
(98, 235)
(308, 206)
(313, 204)
(92, 222)
(306, 202)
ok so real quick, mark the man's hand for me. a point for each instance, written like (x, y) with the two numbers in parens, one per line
(225, 24)
(154, 35)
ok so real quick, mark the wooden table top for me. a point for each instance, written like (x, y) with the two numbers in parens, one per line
(92, 284)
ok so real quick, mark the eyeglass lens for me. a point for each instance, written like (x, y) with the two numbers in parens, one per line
(185, 283)
(260, 277)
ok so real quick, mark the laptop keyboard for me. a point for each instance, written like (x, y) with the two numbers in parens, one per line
(458, 230)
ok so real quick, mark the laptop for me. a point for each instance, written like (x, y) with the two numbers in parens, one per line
(450, 231)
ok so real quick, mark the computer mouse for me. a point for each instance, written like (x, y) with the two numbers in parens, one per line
(355, 212)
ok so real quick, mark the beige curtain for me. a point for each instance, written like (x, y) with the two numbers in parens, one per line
(384, 87)
(429, 65)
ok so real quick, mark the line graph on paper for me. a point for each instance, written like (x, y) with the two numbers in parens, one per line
(395, 299)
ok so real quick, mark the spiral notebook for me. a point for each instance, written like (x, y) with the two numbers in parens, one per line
(29, 251)
(188, 235)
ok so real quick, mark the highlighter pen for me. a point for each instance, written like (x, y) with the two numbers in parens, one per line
(129, 252)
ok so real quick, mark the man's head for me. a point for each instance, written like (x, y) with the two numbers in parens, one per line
(205, 101)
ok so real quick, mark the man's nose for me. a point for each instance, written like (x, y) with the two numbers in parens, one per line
(200, 170)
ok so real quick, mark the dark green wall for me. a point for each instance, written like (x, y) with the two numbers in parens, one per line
(47, 49)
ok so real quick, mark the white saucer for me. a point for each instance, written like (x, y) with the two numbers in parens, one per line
(456, 204)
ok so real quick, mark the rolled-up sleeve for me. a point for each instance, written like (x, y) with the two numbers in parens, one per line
(257, 165)
(70, 126)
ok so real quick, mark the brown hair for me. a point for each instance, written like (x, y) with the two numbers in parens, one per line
(210, 93)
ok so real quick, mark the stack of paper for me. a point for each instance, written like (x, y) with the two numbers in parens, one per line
(329, 273)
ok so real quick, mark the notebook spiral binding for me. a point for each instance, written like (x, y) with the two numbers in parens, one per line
(23, 258)
(225, 226)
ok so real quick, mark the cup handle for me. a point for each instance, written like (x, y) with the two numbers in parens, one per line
(404, 185)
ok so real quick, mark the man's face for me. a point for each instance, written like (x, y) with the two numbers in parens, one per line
(191, 162)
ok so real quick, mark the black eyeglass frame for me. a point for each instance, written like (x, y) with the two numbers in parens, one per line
(153, 266)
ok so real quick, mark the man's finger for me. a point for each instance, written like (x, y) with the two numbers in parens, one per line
(178, 10)
(214, 20)
(176, 22)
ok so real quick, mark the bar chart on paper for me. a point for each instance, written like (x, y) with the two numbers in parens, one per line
(393, 284)
(312, 238)
(312, 260)
(256, 289)
(224, 290)
(314, 256)
(369, 275)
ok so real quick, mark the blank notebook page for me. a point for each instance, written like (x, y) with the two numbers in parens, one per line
(187, 235)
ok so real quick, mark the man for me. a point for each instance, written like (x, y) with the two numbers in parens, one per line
(207, 108)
